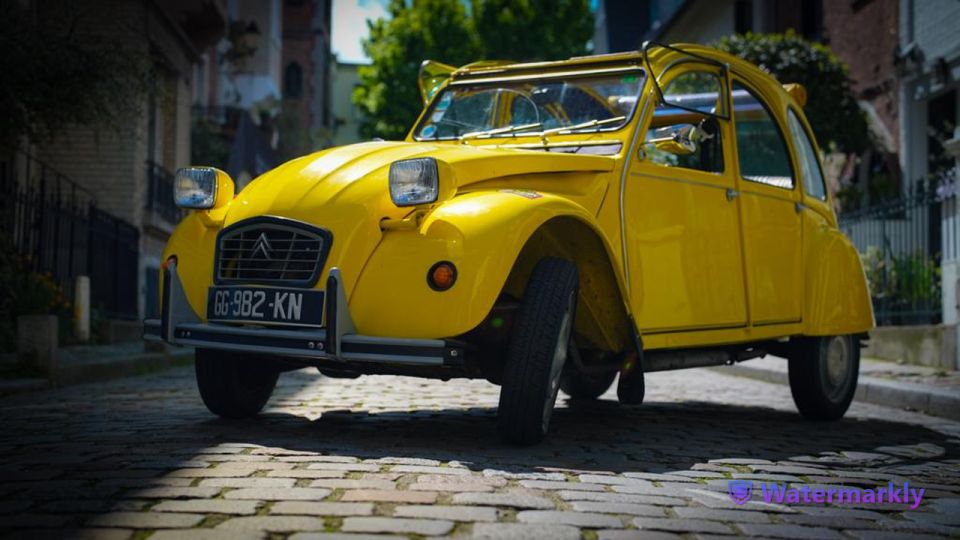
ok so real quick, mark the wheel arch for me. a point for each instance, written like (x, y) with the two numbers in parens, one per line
(494, 237)
(603, 320)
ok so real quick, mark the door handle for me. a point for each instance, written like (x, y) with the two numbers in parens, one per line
(732, 194)
(799, 207)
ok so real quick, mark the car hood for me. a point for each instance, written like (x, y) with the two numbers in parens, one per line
(345, 189)
(360, 167)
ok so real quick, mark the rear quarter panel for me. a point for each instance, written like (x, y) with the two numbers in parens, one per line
(837, 299)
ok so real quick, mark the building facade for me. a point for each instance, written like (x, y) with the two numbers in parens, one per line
(305, 116)
(129, 170)
(346, 115)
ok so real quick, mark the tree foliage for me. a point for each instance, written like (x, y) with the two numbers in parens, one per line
(831, 106)
(532, 29)
(444, 30)
(58, 72)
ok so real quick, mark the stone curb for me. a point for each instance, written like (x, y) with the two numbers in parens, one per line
(110, 368)
(122, 366)
(903, 395)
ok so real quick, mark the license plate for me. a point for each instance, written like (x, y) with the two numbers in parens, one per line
(267, 305)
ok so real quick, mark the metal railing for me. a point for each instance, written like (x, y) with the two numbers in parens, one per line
(901, 246)
(55, 225)
(160, 193)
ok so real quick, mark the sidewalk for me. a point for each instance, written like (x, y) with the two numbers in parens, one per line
(91, 363)
(916, 388)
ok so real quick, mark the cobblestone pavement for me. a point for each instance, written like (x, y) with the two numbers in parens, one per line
(407, 457)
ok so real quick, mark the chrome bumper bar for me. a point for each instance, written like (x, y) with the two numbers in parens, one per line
(338, 341)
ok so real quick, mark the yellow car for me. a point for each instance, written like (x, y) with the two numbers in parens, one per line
(544, 226)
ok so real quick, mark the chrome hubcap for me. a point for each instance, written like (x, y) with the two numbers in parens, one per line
(556, 364)
(838, 366)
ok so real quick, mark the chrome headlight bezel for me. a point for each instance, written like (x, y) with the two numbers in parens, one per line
(195, 188)
(414, 181)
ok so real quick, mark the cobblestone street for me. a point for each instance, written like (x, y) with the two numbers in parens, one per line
(405, 457)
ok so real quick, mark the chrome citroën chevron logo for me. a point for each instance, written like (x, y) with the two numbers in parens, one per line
(262, 246)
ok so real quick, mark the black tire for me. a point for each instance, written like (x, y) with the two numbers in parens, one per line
(823, 375)
(537, 351)
(234, 385)
(584, 386)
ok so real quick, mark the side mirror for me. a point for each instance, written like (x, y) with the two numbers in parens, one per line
(679, 147)
(679, 139)
(684, 139)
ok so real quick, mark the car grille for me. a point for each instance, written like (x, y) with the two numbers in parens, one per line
(271, 251)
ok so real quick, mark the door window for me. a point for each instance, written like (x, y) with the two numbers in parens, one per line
(679, 137)
(813, 183)
(761, 147)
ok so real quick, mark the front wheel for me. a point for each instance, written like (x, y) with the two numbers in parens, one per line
(823, 375)
(537, 352)
(233, 385)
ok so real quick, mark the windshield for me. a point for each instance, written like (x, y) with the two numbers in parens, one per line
(532, 106)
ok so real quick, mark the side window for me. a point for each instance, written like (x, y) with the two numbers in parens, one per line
(810, 171)
(760, 144)
(667, 140)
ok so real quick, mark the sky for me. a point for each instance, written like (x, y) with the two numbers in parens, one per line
(349, 26)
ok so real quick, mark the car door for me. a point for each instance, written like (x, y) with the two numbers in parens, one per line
(681, 220)
(770, 210)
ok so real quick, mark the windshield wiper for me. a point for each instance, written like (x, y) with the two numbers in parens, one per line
(499, 131)
(591, 123)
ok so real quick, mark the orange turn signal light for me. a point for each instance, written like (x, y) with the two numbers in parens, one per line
(442, 276)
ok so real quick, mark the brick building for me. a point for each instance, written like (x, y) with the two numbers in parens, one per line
(864, 34)
(128, 171)
(306, 76)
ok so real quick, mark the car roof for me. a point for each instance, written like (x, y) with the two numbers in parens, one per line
(658, 55)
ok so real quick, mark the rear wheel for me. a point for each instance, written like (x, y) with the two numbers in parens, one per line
(234, 385)
(823, 375)
(537, 352)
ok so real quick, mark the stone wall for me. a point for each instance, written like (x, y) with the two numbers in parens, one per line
(927, 345)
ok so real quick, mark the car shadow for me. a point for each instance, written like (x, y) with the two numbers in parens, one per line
(599, 435)
(84, 451)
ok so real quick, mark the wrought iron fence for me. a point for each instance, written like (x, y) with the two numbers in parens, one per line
(160, 193)
(901, 245)
(55, 224)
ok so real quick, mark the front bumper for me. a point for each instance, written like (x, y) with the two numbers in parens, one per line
(337, 342)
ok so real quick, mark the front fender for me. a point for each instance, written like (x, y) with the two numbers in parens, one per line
(482, 233)
(193, 243)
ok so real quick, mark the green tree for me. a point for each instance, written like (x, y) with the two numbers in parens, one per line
(532, 29)
(429, 29)
(58, 70)
(831, 105)
(443, 30)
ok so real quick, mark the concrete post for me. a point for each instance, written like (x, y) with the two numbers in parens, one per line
(81, 308)
(37, 337)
